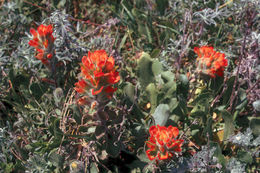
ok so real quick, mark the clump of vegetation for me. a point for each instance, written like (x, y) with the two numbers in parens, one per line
(130, 86)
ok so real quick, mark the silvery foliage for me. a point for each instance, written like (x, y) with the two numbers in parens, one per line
(23, 54)
(255, 36)
(175, 4)
(9, 18)
(250, 70)
(8, 15)
(183, 165)
(209, 16)
(245, 139)
(256, 142)
(101, 42)
(250, 63)
(26, 53)
(5, 143)
(204, 160)
(256, 2)
(38, 163)
(3, 58)
(239, 5)
(181, 45)
(173, 47)
(165, 57)
(250, 67)
(235, 166)
(172, 51)
(67, 46)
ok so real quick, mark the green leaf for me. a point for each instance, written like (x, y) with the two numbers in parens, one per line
(256, 105)
(122, 43)
(57, 131)
(142, 156)
(242, 100)
(155, 53)
(58, 112)
(151, 89)
(54, 128)
(228, 92)
(58, 95)
(61, 4)
(22, 79)
(148, 33)
(218, 153)
(204, 97)
(94, 168)
(156, 67)
(229, 125)
(161, 114)
(136, 166)
(173, 104)
(148, 169)
(56, 159)
(129, 90)
(36, 90)
(181, 110)
(184, 80)
(168, 76)
(127, 9)
(183, 87)
(208, 128)
(76, 113)
(242, 105)
(113, 148)
(255, 125)
(216, 84)
(162, 5)
(201, 103)
(244, 156)
(199, 110)
(144, 70)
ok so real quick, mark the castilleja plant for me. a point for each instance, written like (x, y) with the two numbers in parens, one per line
(210, 62)
(162, 143)
(43, 41)
(98, 74)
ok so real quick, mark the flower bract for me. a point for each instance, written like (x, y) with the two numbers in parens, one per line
(43, 41)
(210, 62)
(162, 143)
(98, 74)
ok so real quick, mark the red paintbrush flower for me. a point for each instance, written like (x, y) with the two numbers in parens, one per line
(162, 143)
(210, 62)
(99, 72)
(43, 42)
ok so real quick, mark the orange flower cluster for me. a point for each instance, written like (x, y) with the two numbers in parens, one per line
(99, 74)
(162, 143)
(210, 62)
(43, 42)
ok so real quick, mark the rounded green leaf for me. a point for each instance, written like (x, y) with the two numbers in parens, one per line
(255, 125)
(129, 90)
(256, 105)
(161, 114)
(144, 70)
(157, 67)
